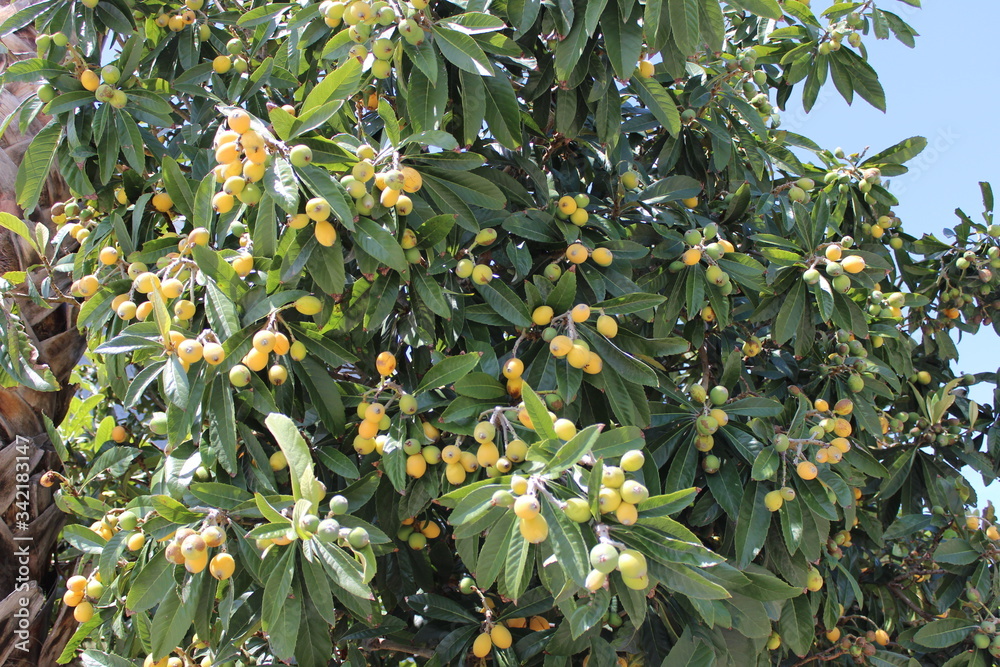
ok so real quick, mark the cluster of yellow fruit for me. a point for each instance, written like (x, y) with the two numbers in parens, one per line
(577, 253)
(573, 208)
(466, 267)
(190, 549)
(711, 417)
(416, 533)
(103, 85)
(241, 153)
(618, 494)
(174, 661)
(837, 267)
(362, 18)
(702, 247)
(265, 342)
(575, 350)
(82, 593)
(976, 523)
(495, 634)
(179, 21)
(63, 213)
(605, 558)
(831, 422)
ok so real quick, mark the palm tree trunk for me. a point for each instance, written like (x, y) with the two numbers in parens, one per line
(31, 632)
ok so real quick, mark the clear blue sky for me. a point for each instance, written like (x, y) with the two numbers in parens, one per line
(934, 94)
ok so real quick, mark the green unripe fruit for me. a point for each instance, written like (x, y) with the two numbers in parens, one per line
(981, 641)
(486, 236)
(552, 272)
(604, 558)
(855, 383)
(692, 237)
(719, 395)
(841, 283)
(781, 443)
(328, 530)
(46, 93)
(300, 156)
(127, 521)
(111, 74)
(239, 375)
(811, 276)
(358, 538)
(338, 505)
(578, 510)
(234, 47)
(158, 423)
(502, 498)
(710, 464)
(466, 585)
(464, 268)
(309, 523)
(795, 193)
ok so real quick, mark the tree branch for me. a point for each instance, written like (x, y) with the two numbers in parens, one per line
(390, 645)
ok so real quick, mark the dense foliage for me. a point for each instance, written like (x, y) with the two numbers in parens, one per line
(433, 332)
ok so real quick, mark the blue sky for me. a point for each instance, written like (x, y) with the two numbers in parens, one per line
(933, 94)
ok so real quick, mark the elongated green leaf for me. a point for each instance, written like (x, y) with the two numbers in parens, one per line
(448, 370)
(35, 165)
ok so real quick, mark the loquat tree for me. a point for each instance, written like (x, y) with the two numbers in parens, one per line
(428, 333)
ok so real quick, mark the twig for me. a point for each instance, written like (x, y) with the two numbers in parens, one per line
(389, 645)
(898, 593)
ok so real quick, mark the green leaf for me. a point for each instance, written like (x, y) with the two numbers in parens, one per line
(447, 371)
(150, 585)
(337, 86)
(280, 183)
(944, 632)
(380, 244)
(660, 104)
(791, 313)
(480, 385)
(752, 524)
(17, 226)
(280, 610)
(177, 186)
(440, 608)
(463, 51)
(294, 447)
(538, 413)
(766, 8)
(574, 449)
(505, 303)
(797, 624)
(170, 623)
(222, 425)
(956, 551)
(684, 25)
(33, 171)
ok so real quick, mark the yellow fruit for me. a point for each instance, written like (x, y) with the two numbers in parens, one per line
(691, 256)
(853, 264)
(607, 325)
(881, 637)
(564, 428)
(594, 364)
(842, 428)
(487, 454)
(538, 623)
(72, 598)
(239, 121)
(482, 645)
(76, 583)
(455, 473)
(560, 346)
(190, 351)
(578, 356)
(222, 566)
(501, 636)
(833, 635)
(412, 181)
(197, 563)
(514, 368)
(535, 529)
(577, 253)
(690, 202)
(993, 533)
(542, 315)
(90, 80)
(814, 580)
(806, 470)
(773, 500)
(298, 221)
(972, 522)
(580, 313)
(263, 341)
(834, 252)
(385, 363)
(608, 500)
(567, 205)
(83, 612)
(646, 68)
(416, 466)
(243, 264)
(162, 202)
(627, 514)
(326, 233)
(109, 256)
(527, 507)
(602, 257)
